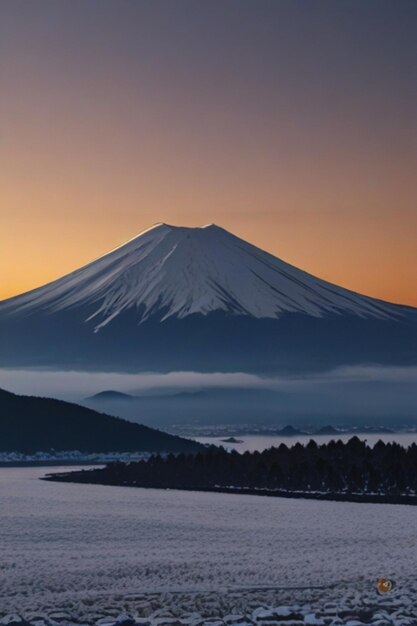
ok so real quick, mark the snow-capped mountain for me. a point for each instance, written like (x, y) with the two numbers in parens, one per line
(174, 271)
(170, 284)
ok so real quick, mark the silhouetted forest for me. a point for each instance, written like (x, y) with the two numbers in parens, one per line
(332, 468)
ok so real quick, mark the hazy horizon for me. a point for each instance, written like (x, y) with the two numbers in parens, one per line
(359, 394)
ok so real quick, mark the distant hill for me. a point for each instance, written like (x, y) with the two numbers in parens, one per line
(111, 394)
(29, 424)
(290, 431)
(327, 430)
(213, 405)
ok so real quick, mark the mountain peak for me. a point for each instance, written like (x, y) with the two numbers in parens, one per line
(176, 271)
(205, 227)
(180, 226)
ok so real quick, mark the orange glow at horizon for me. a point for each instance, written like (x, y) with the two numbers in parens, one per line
(41, 253)
(292, 126)
(342, 216)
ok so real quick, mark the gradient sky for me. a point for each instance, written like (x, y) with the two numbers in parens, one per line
(291, 123)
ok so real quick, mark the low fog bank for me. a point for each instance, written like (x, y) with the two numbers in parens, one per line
(358, 395)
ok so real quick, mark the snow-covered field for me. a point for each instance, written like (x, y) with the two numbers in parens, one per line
(81, 553)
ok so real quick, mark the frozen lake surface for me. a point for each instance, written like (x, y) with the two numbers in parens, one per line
(93, 551)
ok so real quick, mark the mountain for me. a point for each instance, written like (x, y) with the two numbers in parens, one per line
(290, 431)
(261, 410)
(327, 430)
(200, 299)
(213, 405)
(30, 424)
(110, 394)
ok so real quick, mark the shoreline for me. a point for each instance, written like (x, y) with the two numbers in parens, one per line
(306, 495)
(63, 463)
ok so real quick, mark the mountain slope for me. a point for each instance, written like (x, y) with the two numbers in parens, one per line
(30, 424)
(172, 271)
(199, 298)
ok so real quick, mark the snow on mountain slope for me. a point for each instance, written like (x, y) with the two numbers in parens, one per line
(171, 271)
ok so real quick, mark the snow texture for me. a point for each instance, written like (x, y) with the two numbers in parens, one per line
(78, 554)
(173, 271)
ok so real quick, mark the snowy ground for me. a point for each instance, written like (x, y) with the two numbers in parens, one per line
(81, 553)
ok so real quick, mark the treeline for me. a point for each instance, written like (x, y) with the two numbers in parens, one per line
(332, 468)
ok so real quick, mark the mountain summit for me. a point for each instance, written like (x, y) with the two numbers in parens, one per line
(173, 271)
(147, 299)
